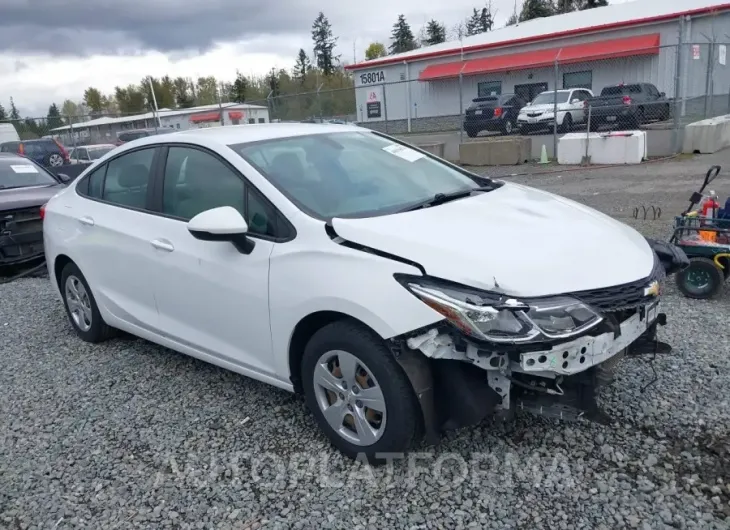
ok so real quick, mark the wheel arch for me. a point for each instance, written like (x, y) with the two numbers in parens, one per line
(58, 265)
(303, 331)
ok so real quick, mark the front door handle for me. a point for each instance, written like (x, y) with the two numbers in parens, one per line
(162, 245)
(88, 221)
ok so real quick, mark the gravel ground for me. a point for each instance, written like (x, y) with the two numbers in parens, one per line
(131, 435)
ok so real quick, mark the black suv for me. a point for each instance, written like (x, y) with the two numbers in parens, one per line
(493, 113)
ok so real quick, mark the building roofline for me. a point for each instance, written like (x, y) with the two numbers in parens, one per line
(536, 38)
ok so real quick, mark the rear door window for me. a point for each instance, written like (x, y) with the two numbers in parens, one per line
(127, 178)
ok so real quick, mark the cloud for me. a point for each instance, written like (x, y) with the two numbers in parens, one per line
(83, 28)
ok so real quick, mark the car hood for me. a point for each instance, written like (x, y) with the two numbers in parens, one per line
(515, 239)
(16, 198)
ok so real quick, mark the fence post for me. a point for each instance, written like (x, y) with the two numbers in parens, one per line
(461, 106)
(708, 79)
(678, 87)
(408, 93)
(71, 128)
(555, 110)
(385, 107)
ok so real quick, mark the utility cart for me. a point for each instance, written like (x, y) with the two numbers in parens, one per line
(704, 236)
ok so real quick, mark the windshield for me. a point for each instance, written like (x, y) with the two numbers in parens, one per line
(96, 153)
(351, 174)
(21, 173)
(549, 97)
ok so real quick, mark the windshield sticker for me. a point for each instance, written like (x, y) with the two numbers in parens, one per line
(24, 169)
(406, 153)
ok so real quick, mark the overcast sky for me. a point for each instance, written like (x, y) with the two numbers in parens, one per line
(51, 50)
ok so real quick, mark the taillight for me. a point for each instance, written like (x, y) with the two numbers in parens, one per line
(627, 100)
(43, 212)
(21, 149)
(497, 112)
(64, 153)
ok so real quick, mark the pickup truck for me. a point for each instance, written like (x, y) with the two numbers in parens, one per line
(629, 105)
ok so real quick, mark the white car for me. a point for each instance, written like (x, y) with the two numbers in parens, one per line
(399, 293)
(88, 154)
(540, 113)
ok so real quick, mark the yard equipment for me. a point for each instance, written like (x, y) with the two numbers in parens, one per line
(704, 236)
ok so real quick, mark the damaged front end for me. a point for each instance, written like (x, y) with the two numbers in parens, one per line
(494, 354)
(21, 236)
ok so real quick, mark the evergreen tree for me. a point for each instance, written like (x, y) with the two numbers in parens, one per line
(564, 6)
(14, 114)
(512, 20)
(402, 37)
(53, 119)
(302, 66)
(273, 81)
(486, 22)
(435, 33)
(239, 88)
(324, 45)
(532, 9)
(473, 24)
(3, 115)
(591, 4)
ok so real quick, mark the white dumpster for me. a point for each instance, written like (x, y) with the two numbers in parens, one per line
(614, 147)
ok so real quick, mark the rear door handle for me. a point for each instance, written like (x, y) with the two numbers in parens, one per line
(88, 221)
(162, 245)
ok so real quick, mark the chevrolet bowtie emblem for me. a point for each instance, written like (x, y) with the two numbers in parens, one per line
(652, 289)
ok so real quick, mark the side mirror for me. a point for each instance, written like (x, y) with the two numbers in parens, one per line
(63, 177)
(222, 224)
(663, 94)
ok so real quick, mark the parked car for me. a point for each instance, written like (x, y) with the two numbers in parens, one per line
(88, 153)
(493, 113)
(539, 114)
(8, 133)
(133, 134)
(24, 187)
(47, 152)
(386, 285)
(628, 105)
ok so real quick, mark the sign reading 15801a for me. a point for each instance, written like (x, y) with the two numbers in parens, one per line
(372, 77)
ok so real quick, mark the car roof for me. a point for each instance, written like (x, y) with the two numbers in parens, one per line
(94, 145)
(235, 134)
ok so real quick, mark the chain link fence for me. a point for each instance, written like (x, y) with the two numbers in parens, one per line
(660, 90)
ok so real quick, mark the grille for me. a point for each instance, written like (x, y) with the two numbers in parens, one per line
(626, 296)
(25, 221)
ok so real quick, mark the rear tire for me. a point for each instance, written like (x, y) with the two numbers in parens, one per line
(53, 160)
(334, 355)
(509, 127)
(701, 280)
(567, 123)
(81, 307)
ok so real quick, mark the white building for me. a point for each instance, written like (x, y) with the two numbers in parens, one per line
(636, 41)
(105, 129)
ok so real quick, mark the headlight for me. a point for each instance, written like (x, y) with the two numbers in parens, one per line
(499, 318)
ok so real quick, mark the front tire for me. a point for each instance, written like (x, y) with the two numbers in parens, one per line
(358, 393)
(81, 307)
(701, 280)
(471, 133)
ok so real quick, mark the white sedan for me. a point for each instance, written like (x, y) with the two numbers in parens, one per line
(88, 154)
(391, 288)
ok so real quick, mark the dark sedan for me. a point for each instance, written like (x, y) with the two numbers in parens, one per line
(24, 188)
(493, 113)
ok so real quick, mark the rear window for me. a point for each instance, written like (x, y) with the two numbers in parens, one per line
(22, 173)
(620, 90)
(488, 99)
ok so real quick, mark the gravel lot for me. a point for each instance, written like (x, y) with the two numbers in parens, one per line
(128, 434)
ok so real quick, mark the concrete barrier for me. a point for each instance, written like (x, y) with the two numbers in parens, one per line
(707, 136)
(434, 148)
(507, 151)
(615, 147)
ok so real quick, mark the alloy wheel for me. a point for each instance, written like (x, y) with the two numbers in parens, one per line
(79, 304)
(55, 160)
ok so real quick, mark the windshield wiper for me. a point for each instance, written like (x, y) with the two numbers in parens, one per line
(441, 198)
